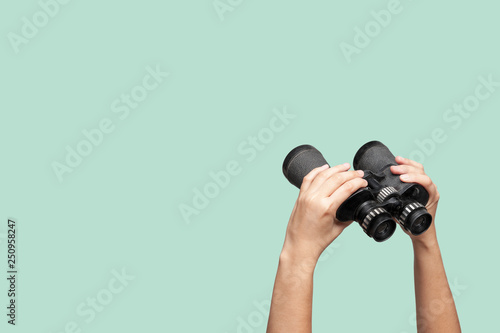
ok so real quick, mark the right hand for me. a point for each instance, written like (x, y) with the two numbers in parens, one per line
(313, 225)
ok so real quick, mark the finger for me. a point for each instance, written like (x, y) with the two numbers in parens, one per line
(423, 180)
(335, 181)
(306, 182)
(407, 161)
(325, 174)
(418, 178)
(402, 169)
(344, 192)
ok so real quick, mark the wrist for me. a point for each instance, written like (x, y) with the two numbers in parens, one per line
(425, 243)
(427, 240)
(300, 261)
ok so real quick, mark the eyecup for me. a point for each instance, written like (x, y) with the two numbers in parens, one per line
(375, 218)
(292, 154)
(421, 227)
(364, 148)
(300, 161)
(391, 228)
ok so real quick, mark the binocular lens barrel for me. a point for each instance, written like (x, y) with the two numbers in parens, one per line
(376, 206)
(415, 218)
(300, 161)
(374, 156)
(384, 230)
(376, 222)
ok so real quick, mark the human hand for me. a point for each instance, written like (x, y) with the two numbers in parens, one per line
(413, 172)
(313, 225)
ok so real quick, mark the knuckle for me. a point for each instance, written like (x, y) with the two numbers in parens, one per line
(309, 200)
(324, 207)
(307, 178)
(354, 174)
(346, 176)
(349, 186)
(337, 177)
(322, 176)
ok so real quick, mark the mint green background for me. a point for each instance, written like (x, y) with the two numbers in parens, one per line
(120, 208)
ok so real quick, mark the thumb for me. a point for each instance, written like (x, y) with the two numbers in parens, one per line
(338, 226)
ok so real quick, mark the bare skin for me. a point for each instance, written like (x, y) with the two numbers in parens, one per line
(313, 226)
(436, 311)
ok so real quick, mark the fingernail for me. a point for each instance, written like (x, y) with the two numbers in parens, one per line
(361, 173)
(346, 165)
(405, 177)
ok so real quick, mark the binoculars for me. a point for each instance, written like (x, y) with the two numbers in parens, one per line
(376, 207)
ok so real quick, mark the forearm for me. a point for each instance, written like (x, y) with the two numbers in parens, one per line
(291, 305)
(436, 310)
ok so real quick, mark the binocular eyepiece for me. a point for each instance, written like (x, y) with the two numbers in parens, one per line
(377, 206)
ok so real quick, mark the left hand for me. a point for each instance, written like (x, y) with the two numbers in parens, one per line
(413, 172)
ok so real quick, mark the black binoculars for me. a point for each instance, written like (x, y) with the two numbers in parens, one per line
(376, 207)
